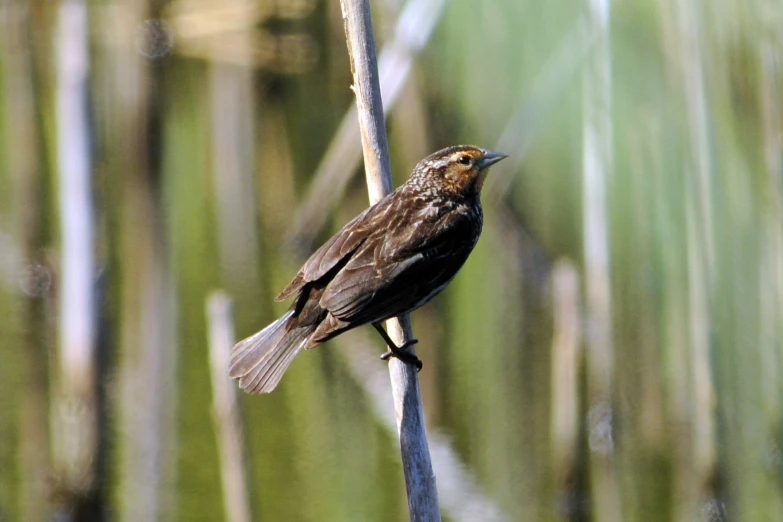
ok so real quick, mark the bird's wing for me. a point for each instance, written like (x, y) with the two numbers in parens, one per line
(399, 271)
(339, 247)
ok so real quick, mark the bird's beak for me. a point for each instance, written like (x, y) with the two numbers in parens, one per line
(490, 157)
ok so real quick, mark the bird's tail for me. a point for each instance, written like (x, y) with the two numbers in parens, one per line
(260, 361)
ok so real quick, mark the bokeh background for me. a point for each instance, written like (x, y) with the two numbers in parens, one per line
(612, 351)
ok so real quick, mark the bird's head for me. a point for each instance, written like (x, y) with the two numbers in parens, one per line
(461, 169)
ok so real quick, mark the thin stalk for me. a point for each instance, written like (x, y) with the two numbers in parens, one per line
(74, 418)
(416, 462)
(145, 392)
(597, 167)
(225, 411)
(692, 403)
(700, 249)
(26, 164)
(566, 354)
(232, 177)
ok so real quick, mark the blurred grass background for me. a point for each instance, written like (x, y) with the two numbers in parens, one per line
(612, 351)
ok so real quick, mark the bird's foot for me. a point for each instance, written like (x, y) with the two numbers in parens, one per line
(398, 352)
(401, 354)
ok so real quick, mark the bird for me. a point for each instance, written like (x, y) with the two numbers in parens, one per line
(389, 260)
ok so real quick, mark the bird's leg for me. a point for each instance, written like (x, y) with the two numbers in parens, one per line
(397, 351)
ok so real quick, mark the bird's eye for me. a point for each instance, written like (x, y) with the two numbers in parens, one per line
(465, 160)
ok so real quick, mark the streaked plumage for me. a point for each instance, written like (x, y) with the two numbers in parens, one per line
(391, 259)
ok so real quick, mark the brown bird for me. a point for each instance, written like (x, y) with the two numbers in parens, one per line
(389, 260)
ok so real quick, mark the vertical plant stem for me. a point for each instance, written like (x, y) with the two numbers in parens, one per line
(566, 354)
(416, 462)
(364, 67)
(597, 165)
(232, 174)
(693, 402)
(24, 156)
(225, 411)
(147, 337)
(73, 413)
(700, 251)
(771, 329)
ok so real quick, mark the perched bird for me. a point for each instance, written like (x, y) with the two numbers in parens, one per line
(390, 259)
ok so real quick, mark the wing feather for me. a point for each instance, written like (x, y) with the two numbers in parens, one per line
(339, 247)
(380, 282)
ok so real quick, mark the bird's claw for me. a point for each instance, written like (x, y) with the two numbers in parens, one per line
(402, 355)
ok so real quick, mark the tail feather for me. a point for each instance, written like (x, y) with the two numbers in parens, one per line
(267, 374)
(260, 361)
